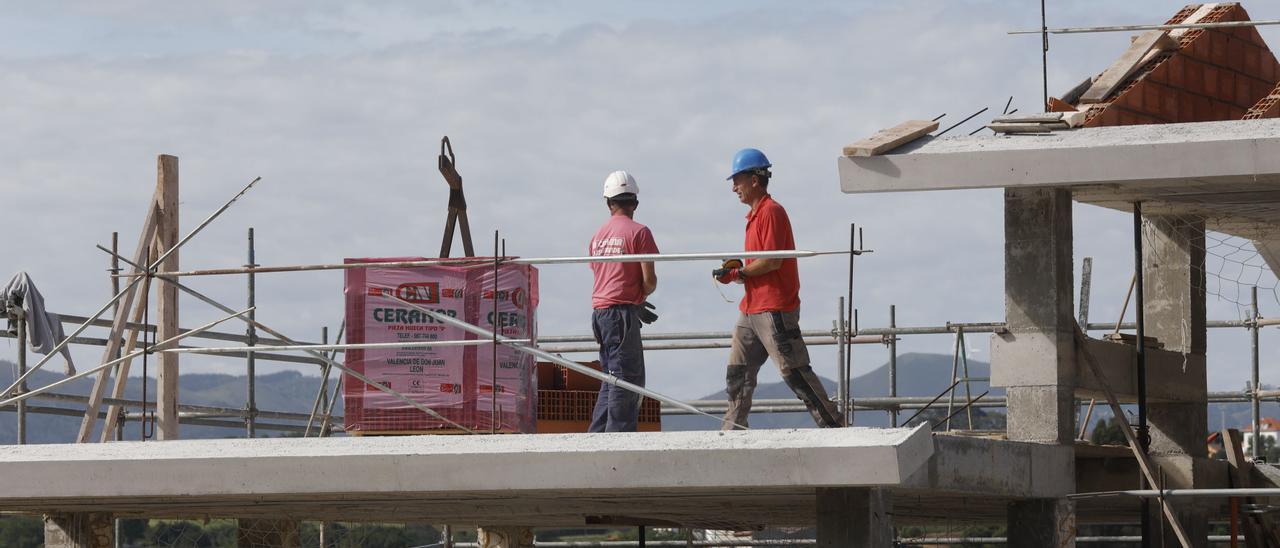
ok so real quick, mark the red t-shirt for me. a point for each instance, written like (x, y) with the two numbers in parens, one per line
(619, 283)
(769, 229)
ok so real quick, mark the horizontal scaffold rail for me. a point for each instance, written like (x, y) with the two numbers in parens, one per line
(635, 258)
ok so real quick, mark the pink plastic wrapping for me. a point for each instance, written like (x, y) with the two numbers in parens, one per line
(455, 381)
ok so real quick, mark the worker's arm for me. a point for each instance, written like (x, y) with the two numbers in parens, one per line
(650, 278)
(761, 267)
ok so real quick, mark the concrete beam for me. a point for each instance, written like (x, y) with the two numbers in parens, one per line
(1171, 376)
(1205, 151)
(441, 464)
(996, 467)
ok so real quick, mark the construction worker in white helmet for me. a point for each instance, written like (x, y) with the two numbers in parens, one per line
(618, 303)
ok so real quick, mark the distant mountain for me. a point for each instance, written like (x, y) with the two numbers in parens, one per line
(918, 375)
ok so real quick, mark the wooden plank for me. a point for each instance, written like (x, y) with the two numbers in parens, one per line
(1037, 118)
(1144, 462)
(1021, 128)
(1122, 68)
(140, 255)
(886, 140)
(167, 298)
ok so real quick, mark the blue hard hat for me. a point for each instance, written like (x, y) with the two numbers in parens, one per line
(748, 159)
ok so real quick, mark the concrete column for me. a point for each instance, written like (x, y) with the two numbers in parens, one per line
(1174, 294)
(79, 531)
(1035, 359)
(1037, 523)
(504, 537)
(267, 533)
(852, 517)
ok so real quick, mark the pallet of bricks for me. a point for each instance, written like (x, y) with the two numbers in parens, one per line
(566, 399)
(458, 382)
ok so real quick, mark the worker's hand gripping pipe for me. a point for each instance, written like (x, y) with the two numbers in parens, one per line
(528, 349)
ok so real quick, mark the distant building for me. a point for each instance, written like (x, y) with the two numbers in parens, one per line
(1269, 432)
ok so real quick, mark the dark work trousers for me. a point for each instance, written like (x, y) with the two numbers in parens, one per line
(776, 336)
(617, 329)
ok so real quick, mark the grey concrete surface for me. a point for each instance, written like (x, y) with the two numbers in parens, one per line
(1228, 172)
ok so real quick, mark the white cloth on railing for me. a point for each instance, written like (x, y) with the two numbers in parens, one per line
(44, 330)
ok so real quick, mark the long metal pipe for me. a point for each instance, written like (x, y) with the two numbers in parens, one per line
(842, 386)
(632, 258)
(136, 278)
(1131, 28)
(893, 363)
(131, 355)
(1255, 405)
(251, 373)
(336, 346)
(189, 408)
(600, 376)
(1143, 432)
(1186, 493)
(22, 370)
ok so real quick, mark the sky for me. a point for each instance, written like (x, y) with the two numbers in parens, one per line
(340, 106)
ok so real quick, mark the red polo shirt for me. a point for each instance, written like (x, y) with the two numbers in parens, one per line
(769, 229)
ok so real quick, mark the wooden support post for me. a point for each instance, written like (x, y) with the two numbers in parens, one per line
(167, 298)
(117, 326)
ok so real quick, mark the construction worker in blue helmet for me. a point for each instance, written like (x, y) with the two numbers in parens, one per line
(768, 324)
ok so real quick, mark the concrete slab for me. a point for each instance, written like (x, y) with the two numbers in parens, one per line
(697, 479)
(683, 477)
(1228, 172)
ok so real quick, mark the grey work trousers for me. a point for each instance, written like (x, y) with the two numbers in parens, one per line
(775, 335)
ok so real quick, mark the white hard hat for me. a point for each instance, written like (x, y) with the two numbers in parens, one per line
(620, 182)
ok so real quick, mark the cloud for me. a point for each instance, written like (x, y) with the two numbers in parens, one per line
(340, 108)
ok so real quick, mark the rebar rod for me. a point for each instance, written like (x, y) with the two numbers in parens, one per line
(82, 374)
